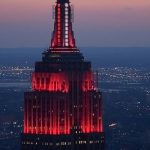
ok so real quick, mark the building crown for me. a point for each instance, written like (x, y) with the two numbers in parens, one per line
(63, 36)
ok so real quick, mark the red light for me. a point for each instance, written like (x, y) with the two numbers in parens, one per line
(61, 103)
(60, 26)
(51, 82)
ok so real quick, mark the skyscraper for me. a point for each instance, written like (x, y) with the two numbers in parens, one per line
(63, 110)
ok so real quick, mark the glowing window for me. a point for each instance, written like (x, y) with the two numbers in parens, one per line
(66, 24)
(66, 36)
(66, 4)
(66, 16)
(66, 32)
(66, 41)
(66, 12)
(66, 20)
(66, 28)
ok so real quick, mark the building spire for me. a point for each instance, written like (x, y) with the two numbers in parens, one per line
(62, 1)
(63, 36)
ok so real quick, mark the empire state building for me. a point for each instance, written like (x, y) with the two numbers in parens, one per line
(63, 110)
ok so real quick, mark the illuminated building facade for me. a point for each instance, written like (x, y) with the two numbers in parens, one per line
(63, 110)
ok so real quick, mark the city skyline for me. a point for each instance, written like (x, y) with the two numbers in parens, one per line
(118, 23)
(90, 89)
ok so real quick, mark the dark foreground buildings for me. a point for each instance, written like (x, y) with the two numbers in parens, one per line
(63, 111)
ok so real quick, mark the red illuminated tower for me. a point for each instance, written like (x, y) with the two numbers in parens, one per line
(63, 110)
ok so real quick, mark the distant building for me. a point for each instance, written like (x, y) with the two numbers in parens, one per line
(63, 111)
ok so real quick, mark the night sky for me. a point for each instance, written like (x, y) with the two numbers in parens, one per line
(26, 23)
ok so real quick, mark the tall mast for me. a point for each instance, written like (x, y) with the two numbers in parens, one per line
(63, 36)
